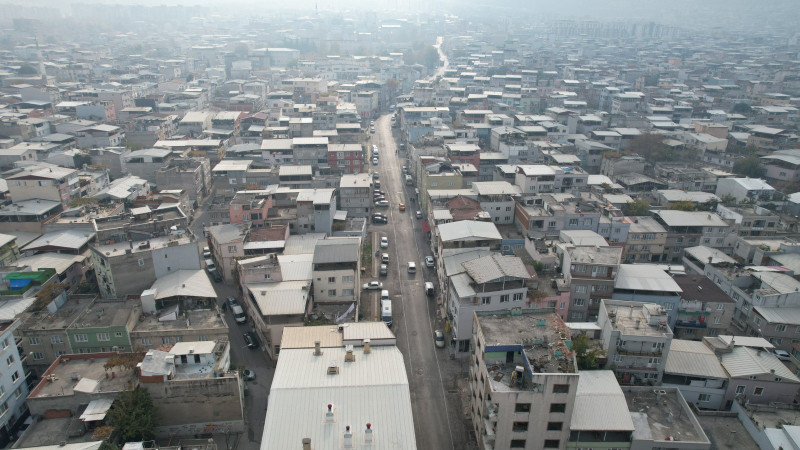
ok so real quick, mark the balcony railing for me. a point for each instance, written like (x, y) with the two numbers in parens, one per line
(627, 352)
(690, 324)
(701, 312)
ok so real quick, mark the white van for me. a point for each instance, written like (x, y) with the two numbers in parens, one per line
(384, 295)
(429, 289)
(210, 265)
(386, 312)
(409, 181)
(238, 314)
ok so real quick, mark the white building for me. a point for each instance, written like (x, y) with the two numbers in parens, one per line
(13, 388)
(745, 189)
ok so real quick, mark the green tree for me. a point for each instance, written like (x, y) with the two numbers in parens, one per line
(749, 167)
(708, 205)
(586, 354)
(27, 69)
(684, 205)
(636, 208)
(134, 416)
(728, 200)
(742, 108)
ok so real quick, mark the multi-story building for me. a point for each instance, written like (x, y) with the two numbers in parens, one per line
(45, 182)
(648, 283)
(337, 271)
(689, 229)
(523, 380)
(145, 163)
(151, 331)
(590, 273)
(310, 151)
(104, 326)
(704, 308)
(497, 199)
(355, 194)
(636, 338)
(646, 240)
(694, 368)
(193, 175)
(226, 243)
(745, 189)
(484, 283)
(346, 158)
(316, 209)
(13, 379)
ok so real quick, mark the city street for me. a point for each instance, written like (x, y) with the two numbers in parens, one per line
(438, 417)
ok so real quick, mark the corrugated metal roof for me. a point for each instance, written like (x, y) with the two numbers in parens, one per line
(780, 282)
(693, 358)
(746, 361)
(702, 253)
(375, 331)
(300, 244)
(296, 267)
(184, 283)
(600, 403)
(645, 277)
(336, 250)
(789, 316)
(454, 257)
(495, 267)
(58, 261)
(372, 389)
(72, 239)
(495, 188)
(461, 285)
(745, 341)
(282, 298)
(466, 230)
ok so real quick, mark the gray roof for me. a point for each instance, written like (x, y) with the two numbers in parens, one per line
(780, 282)
(693, 358)
(34, 207)
(746, 361)
(675, 218)
(495, 188)
(785, 315)
(282, 298)
(600, 403)
(71, 239)
(495, 267)
(703, 253)
(454, 257)
(336, 250)
(645, 277)
(466, 230)
(228, 232)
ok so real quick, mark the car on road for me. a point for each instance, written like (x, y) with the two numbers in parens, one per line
(375, 175)
(374, 161)
(238, 314)
(378, 191)
(373, 285)
(384, 270)
(380, 218)
(372, 130)
(384, 242)
(385, 258)
(438, 338)
(429, 261)
(382, 204)
(206, 253)
(401, 206)
(379, 198)
(783, 355)
(250, 339)
(412, 267)
(231, 302)
(405, 170)
(372, 123)
(419, 214)
(248, 374)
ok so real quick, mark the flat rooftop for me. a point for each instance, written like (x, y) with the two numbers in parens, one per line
(205, 319)
(106, 313)
(82, 373)
(631, 320)
(64, 317)
(658, 416)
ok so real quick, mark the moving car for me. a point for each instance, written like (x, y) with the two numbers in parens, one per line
(373, 285)
(401, 206)
(250, 339)
(438, 338)
(412, 267)
(429, 261)
(419, 214)
(429, 289)
(384, 242)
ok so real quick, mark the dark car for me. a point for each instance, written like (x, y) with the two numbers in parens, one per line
(380, 218)
(231, 302)
(250, 339)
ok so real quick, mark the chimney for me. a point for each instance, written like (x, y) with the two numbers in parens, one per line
(366, 346)
(638, 322)
(368, 434)
(348, 437)
(349, 356)
(329, 413)
(306, 443)
(317, 351)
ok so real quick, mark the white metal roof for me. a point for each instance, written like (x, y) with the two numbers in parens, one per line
(754, 184)
(675, 218)
(468, 230)
(745, 341)
(454, 257)
(776, 315)
(196, 347)
(72, 239)
(58, 261)
(233, 165)
(677, 195)
(600, 403)
(533, 170)
(746, 361)
(296, 267)
(703, 253)
(693, 358)
(96, 410)
(372, 389)
(495, 188)
(645, 277)
(184, 283)
(282, 298)
(780, 282)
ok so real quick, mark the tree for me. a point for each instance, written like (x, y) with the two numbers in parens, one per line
(636, 208)
(684, 205)
(728, 200)
(708, 205)
(27, 69)
(586, 353)
(133, 415)
(749, 167)
(742, 108)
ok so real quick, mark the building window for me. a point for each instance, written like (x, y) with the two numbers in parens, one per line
(717, 320)
(720, 307)
(522, 407)
(552, 443)
(486, 300)
(10, 360)
(504, 298)
(704, 398)
(780, 328)
(38, 355)
(560, 389)
(118, 334)
(141, 261)
(348, 292)
(580, 301)
(33, 341)
(518, 296)
(166, 340)
(231, 249)
(520, 426)
(81, 338)
(740, 389)
(83, 350)
(518, 443)
(580, 289)
(558, 407)
(146, 341)
(555, 426)
(347, 279)
(332, 292)
(14, 377)
(103, 337)
(3, 409)
(56, 340)
(331, 279)
(758, 391)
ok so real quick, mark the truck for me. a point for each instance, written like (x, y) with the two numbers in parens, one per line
(386, 312)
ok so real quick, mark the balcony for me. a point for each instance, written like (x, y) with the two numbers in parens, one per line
(702, 312)
(690, 324)
(626, 352)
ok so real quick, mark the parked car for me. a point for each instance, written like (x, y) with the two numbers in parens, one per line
(384, 269)
(429, 261)
(412, 267)
(250, 339)
(378, 191)
(372, 130)
(385, 258)
(783, 355)
(206, 253)
(380, 218)
(419, 214)
(374, 161)
(382, 204)
(438, 338)
(384, 242)
(375, 175)
(248, 374)
(373, 285)
(231, 302)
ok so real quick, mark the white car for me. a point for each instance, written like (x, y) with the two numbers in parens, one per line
(382, 204)
(429, 261)
(373, 285)
(783, 355)
(384, 242)
(374, 161)
(438, 338)
(412, 267)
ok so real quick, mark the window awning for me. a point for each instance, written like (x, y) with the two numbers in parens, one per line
(96, 410)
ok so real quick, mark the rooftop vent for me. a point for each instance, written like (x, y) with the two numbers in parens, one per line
(333, 368)
(368, 434)
(306, 443)
(317, 351)
(348, 437)
(329, 413)
(366, 346)
(349, 356)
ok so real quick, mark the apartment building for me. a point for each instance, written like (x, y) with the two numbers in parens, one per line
(44, 182)
(590, 272)
(704, 308)
(346, 158)
(336, 270)
(13, 385)
(355, 194)
(636, 338)
(192, 175)
(645, 242)
(497, 199)
(689, 229)
(745, 189)
(648, 283)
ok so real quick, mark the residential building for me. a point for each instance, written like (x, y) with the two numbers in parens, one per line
(523, 380)
(689, 229)
(226, 243)
(145, 163)
(337, 271)
(756, 375)
(316, 209)
(696, 371)
(104, 326)
(331, 389)
(636, 339)
(45, 182)
(152, 331)
(355, 194)
(648, 283)
(497, 198)
(590, 273)
(192, 175)
(750, 189)
(704, 308)
(645, 242)
(13, 383)
(346, 158)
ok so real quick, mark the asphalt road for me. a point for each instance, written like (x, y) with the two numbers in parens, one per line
(412, 310)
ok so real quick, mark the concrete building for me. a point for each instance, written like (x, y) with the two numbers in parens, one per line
(154, 331)
(226, 243)
(648, 283)
(590, 273)
(645, 241)
(757, 375)
(636, 339)
(45, 182)
(337, 271)
(523, 380)
(485, 283)
(704, 308)
(192, 175)
(345, 383)
(745, 189)
(695, 370)
(355, 194)
(13, 383)
(662, 417)
(689, 229)
(104, 326)
(497, 198)
(145, 163)
(316, 209)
